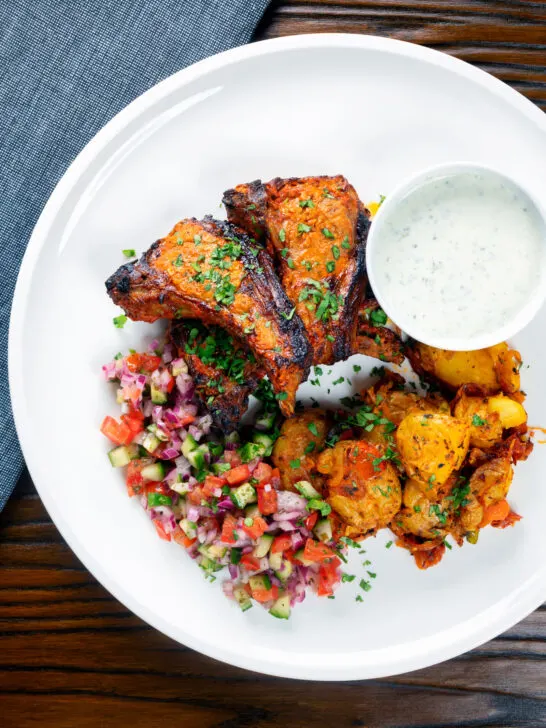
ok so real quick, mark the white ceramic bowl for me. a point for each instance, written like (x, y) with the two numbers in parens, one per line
(376, 110)
(418, 328)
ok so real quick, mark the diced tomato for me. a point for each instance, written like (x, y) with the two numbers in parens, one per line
(311, 521)
(510, 519)
(267, 500)
(134, 480)
(276, 478)
(186, 420)
(233, 458)
(251, 563)
(196, 495)
(426, 559)
(316, 551)
(117, 432)
(328, 576)
(170, 385)
(257, 529)
(228, 527)
(262, 473)
(157, 487)
(346, 435)
(281, 543)
(133, 422)
(212, 483)
(362, 456)
(265, 595)
(495, 512)
(180, 537)
(237, 475)
(290, 556)
(161, 531)
(144, 363)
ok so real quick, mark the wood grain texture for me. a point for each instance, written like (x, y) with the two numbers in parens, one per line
(71, 656)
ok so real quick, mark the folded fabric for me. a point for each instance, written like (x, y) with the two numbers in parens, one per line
(67, 67)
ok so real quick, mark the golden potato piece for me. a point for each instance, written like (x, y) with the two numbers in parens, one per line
(421, 516)
(298, 436)
(491, 482)
(395, 403)
(431, 446)
(485, 425)
(510, 412)
(365, 494)
(494, 368)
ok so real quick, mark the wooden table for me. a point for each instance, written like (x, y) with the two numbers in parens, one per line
(71, 656)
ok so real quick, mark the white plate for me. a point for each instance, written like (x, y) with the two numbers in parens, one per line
(375, 110)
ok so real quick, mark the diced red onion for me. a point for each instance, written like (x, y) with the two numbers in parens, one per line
(289, 502)
(193, 514)
(169, 453)
(297, 541)
(167, 353)
(226, 504)
(286, 516)
(233, 571)
(286, 526)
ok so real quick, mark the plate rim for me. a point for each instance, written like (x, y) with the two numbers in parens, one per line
(378, 663)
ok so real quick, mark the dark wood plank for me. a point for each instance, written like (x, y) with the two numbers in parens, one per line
(71, 655)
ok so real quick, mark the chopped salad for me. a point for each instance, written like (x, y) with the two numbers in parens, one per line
(217, 496)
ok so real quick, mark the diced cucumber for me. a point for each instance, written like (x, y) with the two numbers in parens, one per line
(188, 445)
(196, 458)
(260, 582)
(306, 489)
(299, 556)
(263, 545)
(216, 449)
(119, 456)
(209, 565)
(189, 528)
(285, 572)
(150, 442)
(265, 421)
(242, 598)
(265, 440)
(252, 511)
(275, 560)
(219, 468)
(212, 551)
(251, 450)
(179, 486)
(243, 495)
(323, 530)
(156, 472)
(158, 432)
(158, 397)
(281, 608)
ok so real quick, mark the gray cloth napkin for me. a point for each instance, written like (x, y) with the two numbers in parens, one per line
(66, 67)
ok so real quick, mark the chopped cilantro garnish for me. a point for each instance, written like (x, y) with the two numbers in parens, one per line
(388, 544)
(319, 371)
(288, 316)
(309, 448)
(129, 252)
(120, 321)
(339, 381)
(197, 240)
(178, 261)
(327, 233)
(378, 317)
(282, 235)
(330, 337)
(315, 504)
(281, 396)
(365, 585)
(335, 252)
(347, 577)
(306, 203)
(435, 510)
(326, 193)
(345, 243)
(303, 228)
(330, 266)
(357, 368)
(312, 429)
(358, 598)
(290, 263)
(478, 421)
(295, 463)
(284, 252)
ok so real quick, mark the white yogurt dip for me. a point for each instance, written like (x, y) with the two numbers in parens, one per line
(458, 256)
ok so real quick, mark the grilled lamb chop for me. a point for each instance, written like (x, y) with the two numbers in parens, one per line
(209, 270)
(316, 229)
(224, 373)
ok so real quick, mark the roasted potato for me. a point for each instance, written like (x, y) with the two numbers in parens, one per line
(487, 417)
(432, 446)
(495, 368)
(396, 403)
(365, 493)
(422, 516)
(490, 482)
(297, 442)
